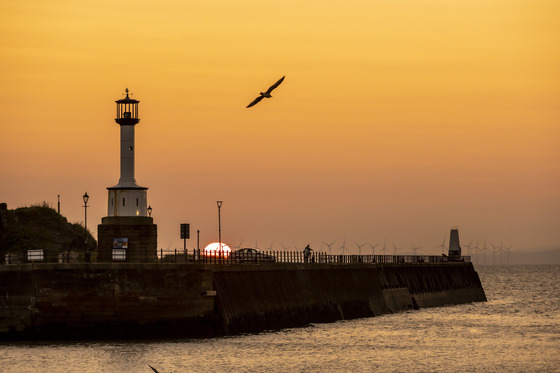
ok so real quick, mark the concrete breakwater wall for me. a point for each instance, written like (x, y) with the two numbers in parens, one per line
(274, 298)
(167, 300)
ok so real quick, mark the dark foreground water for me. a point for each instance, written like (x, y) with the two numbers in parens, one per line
(517, 330)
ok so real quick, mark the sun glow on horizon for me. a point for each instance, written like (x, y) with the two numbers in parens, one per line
(214, 249)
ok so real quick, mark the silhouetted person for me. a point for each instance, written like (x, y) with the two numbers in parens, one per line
(306, 253)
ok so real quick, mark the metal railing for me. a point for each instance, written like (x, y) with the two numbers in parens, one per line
(217, 257)
(178, 256)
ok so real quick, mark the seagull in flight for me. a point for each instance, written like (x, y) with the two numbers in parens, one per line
(267, 93)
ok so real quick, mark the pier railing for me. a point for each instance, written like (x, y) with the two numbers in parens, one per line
(223, 257)
(178, 256)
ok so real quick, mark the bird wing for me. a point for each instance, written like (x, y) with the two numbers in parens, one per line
(255, 101)
(275, 84)
(154, 369)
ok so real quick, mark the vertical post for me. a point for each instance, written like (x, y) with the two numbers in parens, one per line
(185, 235)
(86, 198)
(219, 203)
(86, 253)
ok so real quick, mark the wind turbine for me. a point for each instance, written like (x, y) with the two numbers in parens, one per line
(442, 246)
(395, 248)
(476, 251)
(501, 250)
(329, 245)
(360, 247)
(384, 249)
(507, 249)
(296, 248)
(414, 249)
(285, 247)
(343, 247)
(373, 248)
(469, 247)
(493, 254)
(484, 250)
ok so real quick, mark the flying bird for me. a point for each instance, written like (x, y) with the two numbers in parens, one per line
(267, 93)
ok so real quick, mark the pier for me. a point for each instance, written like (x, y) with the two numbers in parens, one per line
(166, 299)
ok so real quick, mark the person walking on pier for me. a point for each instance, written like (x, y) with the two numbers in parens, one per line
(307, 253)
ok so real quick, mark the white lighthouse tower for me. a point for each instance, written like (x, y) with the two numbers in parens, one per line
(127, 233)
(127, 198)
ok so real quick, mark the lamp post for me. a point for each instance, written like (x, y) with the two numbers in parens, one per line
(86, 198)
(219, 227)
(150, 211)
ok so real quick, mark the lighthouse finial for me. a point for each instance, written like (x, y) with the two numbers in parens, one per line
(126, 90)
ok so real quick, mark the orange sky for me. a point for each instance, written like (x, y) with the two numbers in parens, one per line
(396, 120)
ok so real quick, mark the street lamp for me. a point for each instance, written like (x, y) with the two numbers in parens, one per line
(150, 211)
(219, 226)
(86, 199)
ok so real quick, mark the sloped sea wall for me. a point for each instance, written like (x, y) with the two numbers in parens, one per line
(274, 298)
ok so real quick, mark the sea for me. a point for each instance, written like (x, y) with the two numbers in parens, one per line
(516, 330)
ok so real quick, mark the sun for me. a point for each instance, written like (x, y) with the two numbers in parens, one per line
(214, 249)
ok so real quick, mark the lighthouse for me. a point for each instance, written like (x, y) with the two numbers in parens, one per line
(127, 198)
(127, 233)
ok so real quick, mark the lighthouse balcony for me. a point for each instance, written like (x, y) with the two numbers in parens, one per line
(127, 121)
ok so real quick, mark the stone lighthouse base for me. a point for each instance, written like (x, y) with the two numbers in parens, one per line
(127, 239)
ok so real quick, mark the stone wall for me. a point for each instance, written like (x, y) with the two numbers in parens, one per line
(140, 232)
(148, 300)
(96, 301)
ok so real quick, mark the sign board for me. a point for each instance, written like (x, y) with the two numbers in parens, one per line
(34, 255)
(185, 231)
(120, 243)
(119, 254)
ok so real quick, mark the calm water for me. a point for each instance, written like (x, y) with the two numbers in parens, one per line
(517, 330)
